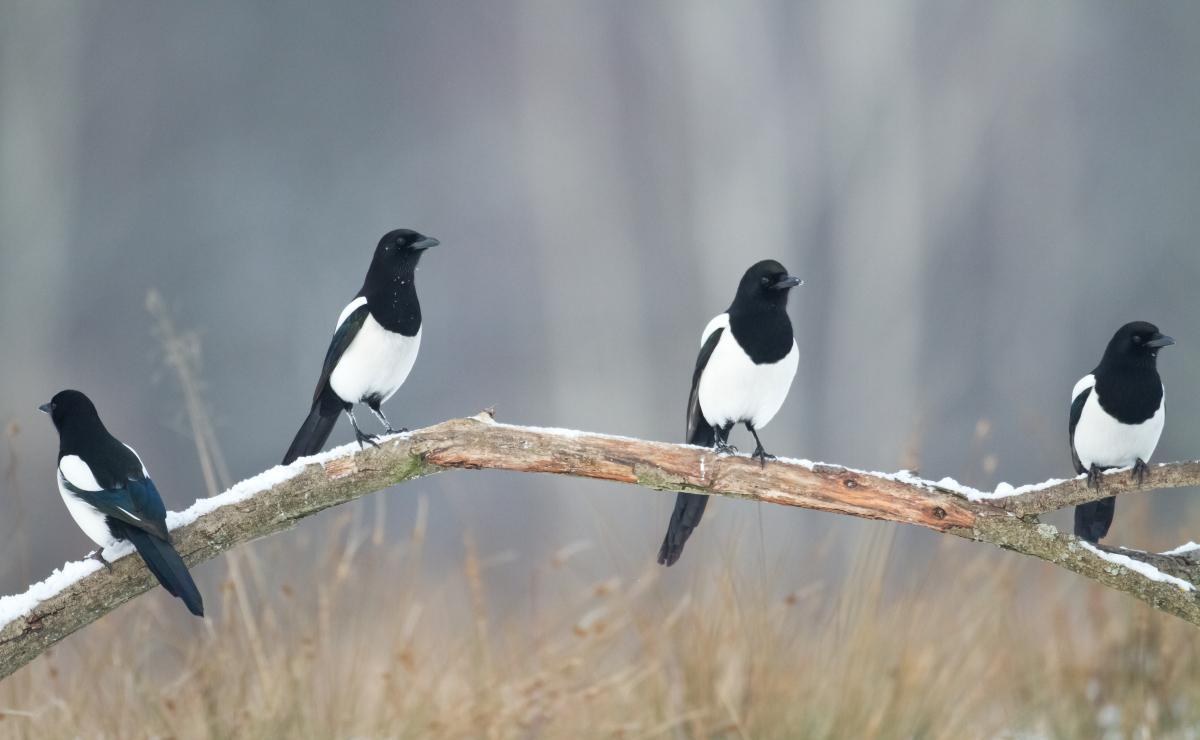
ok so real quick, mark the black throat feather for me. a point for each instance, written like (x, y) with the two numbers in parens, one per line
(1129, 388)
(392, 299)
(763, 331)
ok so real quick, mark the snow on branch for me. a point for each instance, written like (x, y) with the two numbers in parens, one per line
(1055, 495)
(81, 592)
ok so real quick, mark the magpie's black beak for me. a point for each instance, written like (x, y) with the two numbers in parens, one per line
(786, 282)
(44, 408)
(425, 243)
(1160, 340)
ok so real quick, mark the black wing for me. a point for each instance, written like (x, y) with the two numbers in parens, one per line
(1076, 412)
(137, 504)
(689, 507)
(698, 429)
(342, 338)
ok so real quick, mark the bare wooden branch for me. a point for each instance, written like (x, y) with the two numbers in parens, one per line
(479, 442)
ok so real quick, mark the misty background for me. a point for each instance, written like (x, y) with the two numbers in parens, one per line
(977, 196)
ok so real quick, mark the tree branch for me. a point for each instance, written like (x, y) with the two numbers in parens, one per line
(277, 499)
(1075, 491)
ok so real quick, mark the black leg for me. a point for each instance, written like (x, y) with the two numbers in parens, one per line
(1140, 471)
(1095, 473)
(387, 425)
(359, 435)
(721, 440)
(759, 453)
(99, 555)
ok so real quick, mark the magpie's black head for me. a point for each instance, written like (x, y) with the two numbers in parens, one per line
(1137, 341)
(404, 245)
(396, 259)
(70, 409)
(766, 283)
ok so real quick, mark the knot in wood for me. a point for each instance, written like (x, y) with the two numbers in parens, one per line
(939, 512)
(850, 483)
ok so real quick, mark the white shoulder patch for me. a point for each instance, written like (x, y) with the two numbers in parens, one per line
(76, 472)
(1087, 381)
(349, 309)
(721, 321)
(129, 514)
(145, 472)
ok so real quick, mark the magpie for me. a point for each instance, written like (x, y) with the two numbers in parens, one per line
(747, 360)
(1117, 417)
(110, 495)
(374, 344)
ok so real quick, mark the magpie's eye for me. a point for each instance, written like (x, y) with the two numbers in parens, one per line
(765, 280)
(1137, 339)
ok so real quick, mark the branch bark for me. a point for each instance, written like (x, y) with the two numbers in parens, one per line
(479, 442)
(1075, 491)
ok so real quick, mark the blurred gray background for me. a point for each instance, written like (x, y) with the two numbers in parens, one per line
(976, 194)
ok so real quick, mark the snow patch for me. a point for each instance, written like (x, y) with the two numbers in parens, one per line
(1145, 569)
(971, 494)
(559, 431)
(807, 464)
(267, 479)
(18, 605)
(1007, 489)
(1002, 490)
(1190, 547)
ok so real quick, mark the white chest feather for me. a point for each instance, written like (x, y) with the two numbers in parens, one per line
(92, 522)
(375, 364)
(734, 389)
(1102, 440)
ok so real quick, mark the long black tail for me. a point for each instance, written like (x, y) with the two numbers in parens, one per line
(1093, 519)
(315, 430)
(167, 567)
(689, 508)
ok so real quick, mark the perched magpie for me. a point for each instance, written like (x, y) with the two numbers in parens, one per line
(374, 344)
(109, 493)
(1117, 417)
(747, 360)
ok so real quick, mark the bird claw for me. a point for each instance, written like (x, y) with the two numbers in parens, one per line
(724, 448)
(368, 438)
(99, 555)
(762, 455)
(1094, 474)
(1140, 471)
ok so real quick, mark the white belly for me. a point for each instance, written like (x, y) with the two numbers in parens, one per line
(734, 390)
(89, 520)
(375, 364)
(1104, 441)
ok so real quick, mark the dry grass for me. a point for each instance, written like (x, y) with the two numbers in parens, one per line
(360, 642)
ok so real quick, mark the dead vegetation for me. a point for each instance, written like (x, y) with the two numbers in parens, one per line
(360, 639)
